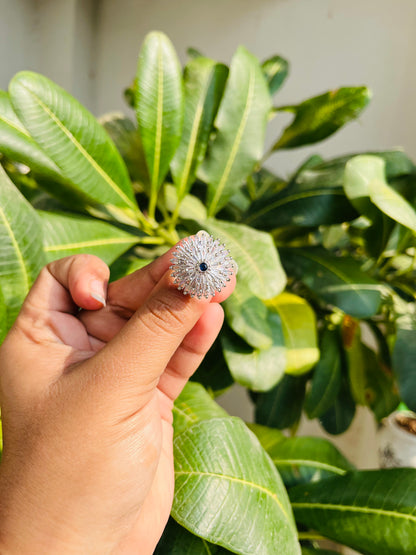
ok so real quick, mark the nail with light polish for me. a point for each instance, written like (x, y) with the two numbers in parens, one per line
(97, 288)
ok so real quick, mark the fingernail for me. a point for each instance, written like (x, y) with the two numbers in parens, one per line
(97, 291)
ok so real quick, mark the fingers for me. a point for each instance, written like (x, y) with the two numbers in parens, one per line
(75, 281)
(137, 356)
(191, 352)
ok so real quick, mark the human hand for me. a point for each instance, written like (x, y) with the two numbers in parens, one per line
(86, 399)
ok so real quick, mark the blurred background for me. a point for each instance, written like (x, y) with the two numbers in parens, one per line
(90, 48)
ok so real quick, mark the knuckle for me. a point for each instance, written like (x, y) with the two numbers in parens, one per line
(165, 314)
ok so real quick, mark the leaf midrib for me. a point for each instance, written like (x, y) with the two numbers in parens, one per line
(10, 123)
(81, 149)
(309, 463)
(236, 144)
(159, 118)
(92, 243)
(239, 481)
(16, 248)
(353, 508)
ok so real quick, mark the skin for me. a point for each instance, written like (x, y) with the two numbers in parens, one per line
(86, 398)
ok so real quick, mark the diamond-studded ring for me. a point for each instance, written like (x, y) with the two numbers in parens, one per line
(201, 265)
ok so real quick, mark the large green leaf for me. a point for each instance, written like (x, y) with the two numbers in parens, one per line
(21, 254)
(281, 407)
(371, 511)
(303, 203)
(65, 234)
(213, 372)
(338, 418)
(159, 99)
(326, 381)
(257, 369)
(247, 315)
(254, 251)
(204, 82)
(307, 459)
(338, 281)
(365, 184)
(74, 140)
(299, 331)
(276, 70)
(176, 540)
(228, 491)
(240, 124)
(127, 139)
(193, 405)
(18, 145)
(319, 117)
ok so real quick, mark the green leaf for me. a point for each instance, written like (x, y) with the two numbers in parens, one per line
(299, 331)
(213, 372)
(127, 139)
(228, 491)
(241, 124)
(338, 281)
(268, 437)
(404, 364)
(127, 264)
(371, 511)
(254, 251)
(300, 460)
(337, 419)
(18, 145)
(193, 405)
(320, 116)
(247, 315)
(65, 234)
(313, 551)
(3, 318)
(365, 182)
(204, 82)
(258, 369)
(21, 254)
(74, 140)
(304, 202)
(281, 407)
(275, 70)
(159, 100)
(326, 380)
(176, 540)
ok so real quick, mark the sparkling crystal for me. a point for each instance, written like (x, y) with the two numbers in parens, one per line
(201, 265)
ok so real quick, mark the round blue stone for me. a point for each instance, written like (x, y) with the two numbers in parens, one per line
(203, 266)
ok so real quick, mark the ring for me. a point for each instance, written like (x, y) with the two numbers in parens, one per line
(201, 265)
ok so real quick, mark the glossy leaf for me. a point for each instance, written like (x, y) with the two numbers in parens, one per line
(74, 140)
(319, 117)
(254, 251)
(257, 369)
(127, 139)
(365, 182)
(404, 364)
(176, 540)
(302, 203)
(276, 70)
(326, 380)
(18, 145)
(65, 234)
(21, 255)
(159, 101)
(338, 281)
(268, 437)
(240, 125)
(228, 491)
(193, 405)
(301, 460)
(204, 82)
(247, 315)
(338, 418)
(213, 372)
(371, 511)
(281, 407)
(299, 331)
(127, 264)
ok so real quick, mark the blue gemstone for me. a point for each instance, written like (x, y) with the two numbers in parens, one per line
(203, 266)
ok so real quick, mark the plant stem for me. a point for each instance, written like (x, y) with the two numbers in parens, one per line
(312, 536)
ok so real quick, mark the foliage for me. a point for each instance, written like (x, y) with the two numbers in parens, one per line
(326, 282)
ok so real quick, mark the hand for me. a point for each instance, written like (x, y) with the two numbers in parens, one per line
(86, 399)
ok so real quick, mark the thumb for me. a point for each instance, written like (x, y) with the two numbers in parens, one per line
(133, 361)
